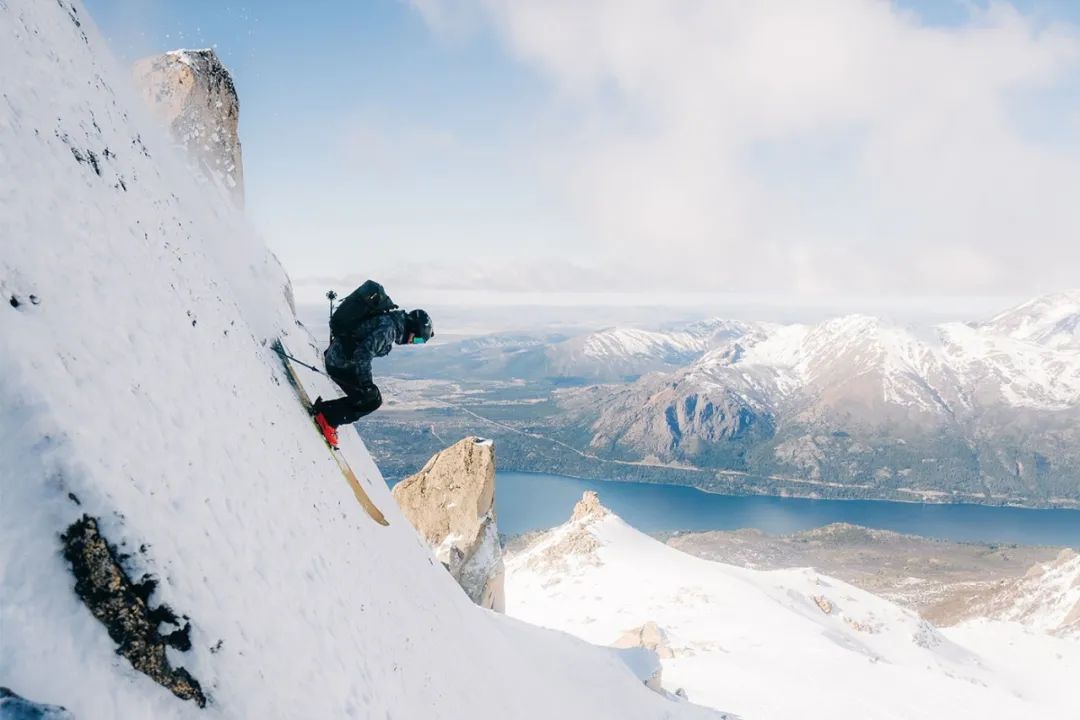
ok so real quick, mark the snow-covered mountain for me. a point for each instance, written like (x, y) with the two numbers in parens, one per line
(1051, 320)
(614, 354)
(149, 437)
(782, 643)
(991, 411)
(620, 352)
(501, 356)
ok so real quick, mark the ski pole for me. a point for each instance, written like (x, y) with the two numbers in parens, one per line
(284, 354)
(331, 296)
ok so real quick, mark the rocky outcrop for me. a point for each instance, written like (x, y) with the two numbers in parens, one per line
(588, 507)
(124, 609)
(451, 503)
(570, 547)
(193, 93)
(649, 636)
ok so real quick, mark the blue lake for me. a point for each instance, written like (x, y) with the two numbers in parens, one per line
(537, 501)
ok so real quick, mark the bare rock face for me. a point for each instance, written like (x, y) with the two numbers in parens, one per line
(124, 608)
(588, 507)
(193, 93)
(562, 552)
(451, 502)
(649, 636)
(824, 604)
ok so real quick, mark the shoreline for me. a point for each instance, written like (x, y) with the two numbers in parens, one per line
(1068, 505)
(958, 522)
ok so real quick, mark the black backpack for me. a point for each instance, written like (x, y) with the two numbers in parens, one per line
(366, 301)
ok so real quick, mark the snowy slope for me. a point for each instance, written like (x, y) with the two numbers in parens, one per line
(668, 346)
(824, 359)
(1050, 320)
(787, 643)
(136, 387)
(1010, 370)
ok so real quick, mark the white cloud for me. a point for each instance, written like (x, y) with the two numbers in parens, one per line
(833, 146)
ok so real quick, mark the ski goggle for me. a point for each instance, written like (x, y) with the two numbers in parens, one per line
(417, 340)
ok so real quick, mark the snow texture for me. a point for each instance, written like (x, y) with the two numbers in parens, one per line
(136, 386)
(787, 643)
(13, 707)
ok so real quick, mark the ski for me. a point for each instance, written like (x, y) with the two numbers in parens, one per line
(343, 465)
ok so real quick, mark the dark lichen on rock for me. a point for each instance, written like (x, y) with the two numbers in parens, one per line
(124, 609)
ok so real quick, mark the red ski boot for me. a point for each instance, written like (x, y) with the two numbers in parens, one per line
(329, 431)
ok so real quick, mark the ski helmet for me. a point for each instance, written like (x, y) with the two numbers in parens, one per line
(419, 324)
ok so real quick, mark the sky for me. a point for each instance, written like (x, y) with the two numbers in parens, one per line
(848, 152)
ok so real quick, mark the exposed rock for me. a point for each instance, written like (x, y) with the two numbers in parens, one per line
(451, 502)
(123, 607)
(823, 603)
(859, 625)
(566, 550)
(193, 93)
(650, 636)
(14, 707)
(588, 507)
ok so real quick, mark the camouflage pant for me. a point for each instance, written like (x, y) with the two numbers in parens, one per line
(362, 396)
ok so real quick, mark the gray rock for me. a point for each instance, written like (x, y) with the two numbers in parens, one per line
(451, 503)
(123, 607)
(194, 94)
(649, 636)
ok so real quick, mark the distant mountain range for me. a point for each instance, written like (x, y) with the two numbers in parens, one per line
(614, 354)
(991, 409)
(984, 411)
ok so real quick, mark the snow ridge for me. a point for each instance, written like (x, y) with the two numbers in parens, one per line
(1024, 357)
(734, 635)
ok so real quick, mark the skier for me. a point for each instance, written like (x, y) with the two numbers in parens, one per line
(365, 326)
